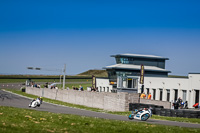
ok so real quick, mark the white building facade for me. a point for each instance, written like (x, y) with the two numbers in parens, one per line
(165, 89)
(158, 83)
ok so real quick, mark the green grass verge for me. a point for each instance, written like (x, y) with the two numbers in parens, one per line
(26, 120)
(178, 119)
(43, 80)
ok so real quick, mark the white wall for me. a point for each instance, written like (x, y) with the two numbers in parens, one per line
(194, 84)
(164, 84)
(189, 84)
(103, 84)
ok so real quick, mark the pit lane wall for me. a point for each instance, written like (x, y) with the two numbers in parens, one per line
(165, 104)
(103, 100)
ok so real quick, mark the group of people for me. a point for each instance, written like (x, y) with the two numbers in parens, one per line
(143, 95)
(33, 84)
(76, 88)
(94, 89)
(179, 104)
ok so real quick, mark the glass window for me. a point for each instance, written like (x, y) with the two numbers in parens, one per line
(168, 95)
(147, 91)
(154, 94)
(184, 95)
(124, 82)
(175, 95)
(107, 89)
(161, 93)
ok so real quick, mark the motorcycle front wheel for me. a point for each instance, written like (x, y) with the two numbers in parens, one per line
(145, 117)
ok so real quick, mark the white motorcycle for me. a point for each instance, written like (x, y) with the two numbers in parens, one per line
(142, 114)
(35, 103)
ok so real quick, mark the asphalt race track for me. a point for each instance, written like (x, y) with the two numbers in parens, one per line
(13, 100)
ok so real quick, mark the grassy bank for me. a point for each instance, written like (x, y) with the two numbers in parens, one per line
(24, 120)
(190, 120)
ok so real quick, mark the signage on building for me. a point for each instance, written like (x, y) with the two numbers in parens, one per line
(113, 83)
(142, 74)
(93, 81)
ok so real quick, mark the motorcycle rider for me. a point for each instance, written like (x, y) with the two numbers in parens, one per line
(41, 100)
(32, 102)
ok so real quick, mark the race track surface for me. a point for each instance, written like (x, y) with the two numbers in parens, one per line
(13, 100)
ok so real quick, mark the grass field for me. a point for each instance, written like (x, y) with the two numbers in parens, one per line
(179, 119)
(25, 120)
(42, 80)
(41, 76)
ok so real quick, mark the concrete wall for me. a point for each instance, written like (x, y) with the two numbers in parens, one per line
(165, 104)
(106, 101)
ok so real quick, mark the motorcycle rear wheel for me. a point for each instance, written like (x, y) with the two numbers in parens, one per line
(131, 117)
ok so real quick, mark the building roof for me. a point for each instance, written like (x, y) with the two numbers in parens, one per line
(140, 56)
(136, 67)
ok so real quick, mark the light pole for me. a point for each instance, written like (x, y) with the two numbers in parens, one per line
(60, 78)
(64, 72)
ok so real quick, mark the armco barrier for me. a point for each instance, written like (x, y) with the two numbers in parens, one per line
(133, 106)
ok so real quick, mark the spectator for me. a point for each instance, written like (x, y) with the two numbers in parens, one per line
(143, 95)
(179, 101)
(196, 105)
(73, 88)
(46, 85)
(80, 88)
(38, 86)
(182, 105)
(149, 96)
(93, 89)
(176, 105)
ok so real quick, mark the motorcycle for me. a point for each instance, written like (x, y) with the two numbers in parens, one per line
(35, 103)
(143, 114)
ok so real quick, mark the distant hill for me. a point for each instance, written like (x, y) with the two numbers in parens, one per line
(97, 73)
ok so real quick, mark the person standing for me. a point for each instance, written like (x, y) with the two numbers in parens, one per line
(149, 96)
(143, 95)
(81, 88)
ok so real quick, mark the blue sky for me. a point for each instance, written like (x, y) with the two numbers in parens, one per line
(83, 34)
